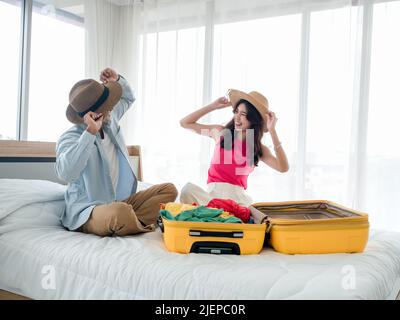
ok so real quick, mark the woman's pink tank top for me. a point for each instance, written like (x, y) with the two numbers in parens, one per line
(230, 166)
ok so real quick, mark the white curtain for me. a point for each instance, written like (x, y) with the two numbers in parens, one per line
(329, 69)
(112, 38)
(101, 23)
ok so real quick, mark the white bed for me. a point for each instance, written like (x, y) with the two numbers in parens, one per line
(40, 260)
(87, 267)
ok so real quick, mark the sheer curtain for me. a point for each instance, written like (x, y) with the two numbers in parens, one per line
(381, 176)
(329, 69)
(101, 23)
(171, 55)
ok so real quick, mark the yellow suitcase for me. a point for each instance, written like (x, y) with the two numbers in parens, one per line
(296, 227)
(210, 237)
(314, 227)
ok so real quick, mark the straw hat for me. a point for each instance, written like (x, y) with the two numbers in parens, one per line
(90, 95)
(255, 98)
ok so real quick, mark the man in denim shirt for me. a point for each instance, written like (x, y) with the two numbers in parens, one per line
(92, 157)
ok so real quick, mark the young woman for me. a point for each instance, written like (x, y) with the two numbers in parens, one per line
(238, 147)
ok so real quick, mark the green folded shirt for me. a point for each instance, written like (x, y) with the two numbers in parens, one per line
(200, 214)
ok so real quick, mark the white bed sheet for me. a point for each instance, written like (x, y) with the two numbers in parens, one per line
(139, 267)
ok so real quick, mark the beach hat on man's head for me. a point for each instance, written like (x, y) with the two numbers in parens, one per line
(90, 95)
(255, 98)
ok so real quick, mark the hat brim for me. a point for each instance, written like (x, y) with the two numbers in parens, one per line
(236, 95)
(113, 98)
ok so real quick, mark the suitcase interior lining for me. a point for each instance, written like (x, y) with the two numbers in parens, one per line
(308, 211)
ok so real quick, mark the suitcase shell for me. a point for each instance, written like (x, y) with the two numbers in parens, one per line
(314, 227)
(214, 238)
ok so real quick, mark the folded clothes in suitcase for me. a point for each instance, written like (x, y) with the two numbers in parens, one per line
(210, 237)
(298, 227)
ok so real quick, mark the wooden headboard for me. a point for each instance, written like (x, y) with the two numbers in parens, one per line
(24, 152)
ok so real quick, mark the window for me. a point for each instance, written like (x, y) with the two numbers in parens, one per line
(172, 72)
(57, 63)
(383, 151)
(252, 56)
(10, 37)
(330, 101)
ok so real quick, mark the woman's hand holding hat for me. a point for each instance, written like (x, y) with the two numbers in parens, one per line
(221, 103)
(271, 121)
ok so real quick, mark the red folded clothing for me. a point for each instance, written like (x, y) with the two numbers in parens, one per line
(232, 207)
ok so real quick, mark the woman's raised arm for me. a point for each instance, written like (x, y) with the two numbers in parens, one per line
(213, 130)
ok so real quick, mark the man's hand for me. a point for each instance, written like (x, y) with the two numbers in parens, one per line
(94, 122)
(108, 75)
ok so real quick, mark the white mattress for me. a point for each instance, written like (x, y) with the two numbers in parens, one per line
(139, 267)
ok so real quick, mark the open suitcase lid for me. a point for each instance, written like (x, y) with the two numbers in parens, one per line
(304, 212)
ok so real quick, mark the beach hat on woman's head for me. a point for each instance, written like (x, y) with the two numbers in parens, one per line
(255, 98)
(90, 95)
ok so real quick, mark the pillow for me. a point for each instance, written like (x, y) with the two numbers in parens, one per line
(17, 193)
(40, 214)
(33, 203)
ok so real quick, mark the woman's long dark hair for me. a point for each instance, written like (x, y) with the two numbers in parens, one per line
(256, 123)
